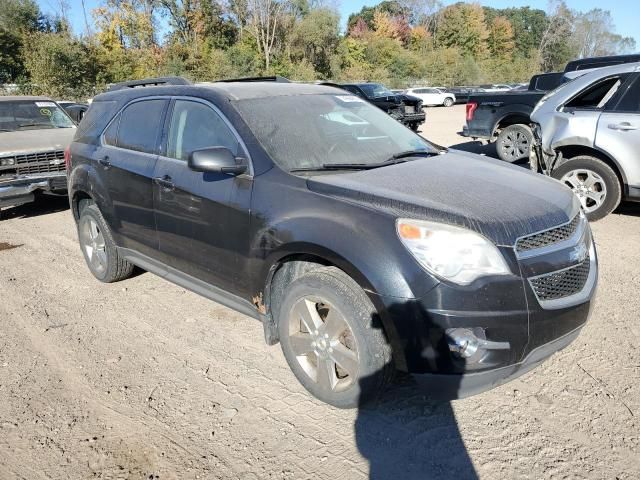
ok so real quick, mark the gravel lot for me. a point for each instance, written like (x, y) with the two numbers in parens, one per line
(142, 379)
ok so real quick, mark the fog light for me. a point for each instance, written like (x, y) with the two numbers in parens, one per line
(464, 343)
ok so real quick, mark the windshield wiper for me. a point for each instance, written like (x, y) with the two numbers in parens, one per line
(395, 159)
(35, 125)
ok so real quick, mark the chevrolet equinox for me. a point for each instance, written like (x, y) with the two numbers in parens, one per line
(363, 248)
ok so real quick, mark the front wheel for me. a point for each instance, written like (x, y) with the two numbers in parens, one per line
(331, 338)
(448, 102)
(594, 182)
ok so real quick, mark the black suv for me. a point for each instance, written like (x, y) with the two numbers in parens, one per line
(407, 109)
(360, 246)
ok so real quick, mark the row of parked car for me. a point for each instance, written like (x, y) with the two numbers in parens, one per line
(583, 131)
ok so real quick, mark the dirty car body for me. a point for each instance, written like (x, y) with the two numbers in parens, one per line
(34, 132)
(336, 189)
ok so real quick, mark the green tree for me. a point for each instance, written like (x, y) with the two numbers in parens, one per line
(58, 65)
(462, 25)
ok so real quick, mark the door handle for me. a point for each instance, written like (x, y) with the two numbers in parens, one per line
(624, 126)
(165, 182)
(105, 162)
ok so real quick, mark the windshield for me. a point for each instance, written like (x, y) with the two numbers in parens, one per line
(375, 90)
(309, 131)
(22, 115)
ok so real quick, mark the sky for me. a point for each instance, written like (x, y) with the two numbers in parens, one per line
(624, 12)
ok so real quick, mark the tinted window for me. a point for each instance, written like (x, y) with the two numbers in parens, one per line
(111, 132)
(630, 102)
(94, 119)
(140, 126)
(195, 126)
(597, 95)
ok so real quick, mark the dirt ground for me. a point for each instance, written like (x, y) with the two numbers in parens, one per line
(142, 379)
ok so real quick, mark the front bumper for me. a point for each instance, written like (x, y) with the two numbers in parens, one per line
(516, 324)
(411, 118)
(461, 386)
(19, 190)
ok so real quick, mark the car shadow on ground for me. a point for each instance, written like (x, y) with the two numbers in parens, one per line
(406, 433)
(481, 148)
(42, 205)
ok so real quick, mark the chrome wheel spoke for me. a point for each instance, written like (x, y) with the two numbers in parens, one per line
(326, 373)
(308, 315)
(334, 324)
(345, 358)
(301, 343)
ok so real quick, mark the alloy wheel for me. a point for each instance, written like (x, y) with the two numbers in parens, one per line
(93, 244)
(588, 186)
(324, 344)
(515, 145)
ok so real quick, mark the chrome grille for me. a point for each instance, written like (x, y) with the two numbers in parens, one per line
(563, 283)
(548, 237)
(41, 162)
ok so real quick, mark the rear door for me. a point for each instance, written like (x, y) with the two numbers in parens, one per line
(618, 131)
(202, 218)
(126, 160)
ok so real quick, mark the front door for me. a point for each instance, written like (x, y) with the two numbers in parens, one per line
(126, 159)
(619, 132)
(202, 219)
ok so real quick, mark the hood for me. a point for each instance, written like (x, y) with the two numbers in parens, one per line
(409, 99)
(500, 201)
(31, 141)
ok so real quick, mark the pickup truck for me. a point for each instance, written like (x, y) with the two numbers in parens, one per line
(34, 132)
(406, 109)
(504, 117)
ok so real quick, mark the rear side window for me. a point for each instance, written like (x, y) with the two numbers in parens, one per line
(195, 126)
(139, 127)
(111, 132)
(630, 102)
(95, 119)
(596, 96)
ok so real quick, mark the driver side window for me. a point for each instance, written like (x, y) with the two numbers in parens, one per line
(195, 126)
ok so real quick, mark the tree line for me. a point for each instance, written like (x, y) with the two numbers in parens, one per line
(398, 42)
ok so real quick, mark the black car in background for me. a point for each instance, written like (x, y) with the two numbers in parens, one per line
(406, 109)
(343, 232)
(75, 110)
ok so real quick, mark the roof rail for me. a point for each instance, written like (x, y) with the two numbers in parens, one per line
(149, 82)
(274, 78)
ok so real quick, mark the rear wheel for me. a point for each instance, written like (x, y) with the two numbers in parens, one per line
(594, 182)
(514, 143)
(329, 339)
(98, 247)
(448, 102)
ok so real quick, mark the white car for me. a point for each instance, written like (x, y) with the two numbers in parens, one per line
(432, 96)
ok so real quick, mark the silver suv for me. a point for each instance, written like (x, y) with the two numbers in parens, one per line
(34, 132)
(588, 136)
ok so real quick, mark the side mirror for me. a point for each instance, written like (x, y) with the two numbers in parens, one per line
(215, 160)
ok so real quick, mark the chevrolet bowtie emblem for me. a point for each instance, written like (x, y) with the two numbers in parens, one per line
(579, 253)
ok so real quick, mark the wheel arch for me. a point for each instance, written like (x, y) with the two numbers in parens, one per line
(519, 118)
(571, 151)
(290, 265)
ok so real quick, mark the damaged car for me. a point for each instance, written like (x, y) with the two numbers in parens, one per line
(587, 135)
(34, 132)
(361, 247)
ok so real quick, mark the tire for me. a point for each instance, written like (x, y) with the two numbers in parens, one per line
(514, 142)
(594, 182)
(327, 306)
(448, 102)
(415, 127)
(98, 247)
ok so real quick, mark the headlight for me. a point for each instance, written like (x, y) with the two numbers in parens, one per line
(449, 252)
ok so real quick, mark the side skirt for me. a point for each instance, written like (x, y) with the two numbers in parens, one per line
(191, 283)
